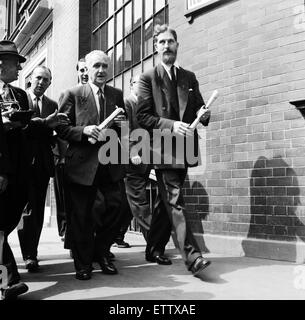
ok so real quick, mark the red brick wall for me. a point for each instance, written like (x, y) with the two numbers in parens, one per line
(254, 181)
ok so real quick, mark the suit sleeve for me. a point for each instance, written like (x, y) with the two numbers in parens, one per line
(4, 161)
(70, 132)
(145, 113)
(198, 97)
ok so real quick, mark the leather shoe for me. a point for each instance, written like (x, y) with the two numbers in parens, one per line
(199, 265)
(160, 259)
(32, 265)
(121, 244)
(13, 291)
(107, 266)
(83, 275)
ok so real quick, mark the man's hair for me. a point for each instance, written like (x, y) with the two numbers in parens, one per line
(43, 68)
(80, 60)
(95, 53)
(133, 78)
(163, 28)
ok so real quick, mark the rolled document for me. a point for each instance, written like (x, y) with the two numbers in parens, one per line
(204, 109)
(106, 122)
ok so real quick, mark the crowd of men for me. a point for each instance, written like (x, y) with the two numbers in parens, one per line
(95, 201)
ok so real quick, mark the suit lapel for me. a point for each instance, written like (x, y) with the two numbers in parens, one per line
(88, 102)
(182, 89)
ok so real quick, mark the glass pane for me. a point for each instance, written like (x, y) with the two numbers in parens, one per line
(148, 38)
(159, 4)
(95, 41)
(95, 13)
(110, 33)
(137, 13)
(148, 64)
(127, 52)
(110, 4)
(110, 83)
(159, 18)
(119, 4)
(137, 70)
(136, 48)
(110, 69)
(104, 35)
(119, 26)
(128, 18)
(118, 59)
(118, 82)
(148, 9)
(127, 76)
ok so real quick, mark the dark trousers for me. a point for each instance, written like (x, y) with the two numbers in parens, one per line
(169, 214)
(135, 183)
(12, 202)
(30, 226)
(88, 237)
(60, 199)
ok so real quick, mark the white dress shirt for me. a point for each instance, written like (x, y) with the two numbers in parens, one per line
(34, 97)
(168, 69)
(95, 90)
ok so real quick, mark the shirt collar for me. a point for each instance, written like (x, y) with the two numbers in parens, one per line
(33, 96)
(2, 84)
(168, 68)
(95, 88)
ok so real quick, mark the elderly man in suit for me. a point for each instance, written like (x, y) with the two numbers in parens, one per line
(16, 126)
(87, 106)
(169, 98)
(42, 167)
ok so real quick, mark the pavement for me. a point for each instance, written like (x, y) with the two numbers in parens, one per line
(227, 278)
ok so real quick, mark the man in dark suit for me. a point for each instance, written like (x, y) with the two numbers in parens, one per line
(42, 168)
(169, 99)
(137, 173)
(14, 193)
(87, 106)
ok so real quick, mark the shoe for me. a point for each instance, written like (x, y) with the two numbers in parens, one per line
(199, 265)
(121, 244)
(32, 265)
(107, 266)
(160, 259)
(83, 275)
(13, 291)
(110, 255)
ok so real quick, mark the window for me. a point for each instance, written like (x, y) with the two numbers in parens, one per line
(124, 30)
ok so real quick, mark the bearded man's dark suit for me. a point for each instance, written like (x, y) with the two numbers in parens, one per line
(15, 197)
(85, 176)
(160, 104)
(42, 168)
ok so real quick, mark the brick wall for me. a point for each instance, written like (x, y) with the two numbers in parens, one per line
(253, 184)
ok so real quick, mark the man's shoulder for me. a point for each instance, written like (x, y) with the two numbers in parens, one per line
(18, 90)
(50, 101)
(113, 90)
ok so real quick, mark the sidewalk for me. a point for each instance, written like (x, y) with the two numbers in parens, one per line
(227, 278)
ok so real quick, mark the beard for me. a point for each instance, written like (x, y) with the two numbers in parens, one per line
(169, 57)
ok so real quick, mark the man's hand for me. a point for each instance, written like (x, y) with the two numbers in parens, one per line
(92, 131)
(182, 129)
(136, 160)
(3, 183)
(9, 125)
(118, 120)
(205, 116)
(55, 119)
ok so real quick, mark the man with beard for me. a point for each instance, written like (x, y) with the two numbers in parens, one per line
(169, 98)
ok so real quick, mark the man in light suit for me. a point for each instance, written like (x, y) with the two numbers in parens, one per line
(87, 106)
(169, 98)
(42, 168)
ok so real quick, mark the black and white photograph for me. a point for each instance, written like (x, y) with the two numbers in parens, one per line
(152, 153)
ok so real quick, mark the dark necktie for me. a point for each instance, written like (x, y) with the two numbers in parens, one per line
(36, 106)
(173, 76)
(102, 104)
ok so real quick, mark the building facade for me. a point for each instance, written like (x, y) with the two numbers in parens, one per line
(248, 197)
